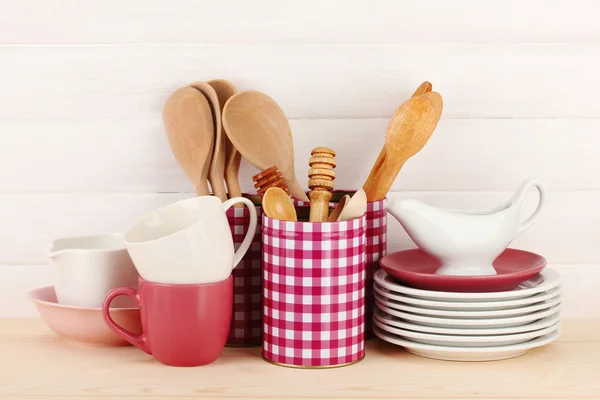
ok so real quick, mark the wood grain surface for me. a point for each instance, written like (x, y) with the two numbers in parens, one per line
(36, 364)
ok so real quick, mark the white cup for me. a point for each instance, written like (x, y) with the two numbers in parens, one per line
(86, 268)
(188, 242)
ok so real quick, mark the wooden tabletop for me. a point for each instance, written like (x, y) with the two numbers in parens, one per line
(36, 364)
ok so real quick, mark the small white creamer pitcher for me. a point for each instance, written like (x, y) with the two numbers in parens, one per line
(188, 242)
(86, 268)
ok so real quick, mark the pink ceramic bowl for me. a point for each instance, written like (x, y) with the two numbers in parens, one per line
(82, 324)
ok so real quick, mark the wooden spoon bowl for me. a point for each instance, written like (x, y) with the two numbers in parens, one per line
(259, 130)
(409, 130)
(277, 205)
(188, 121)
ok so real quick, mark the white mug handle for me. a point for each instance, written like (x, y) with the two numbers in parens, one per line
(227, 204)
(519, 196)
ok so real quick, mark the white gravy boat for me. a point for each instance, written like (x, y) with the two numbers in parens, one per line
(467, 242)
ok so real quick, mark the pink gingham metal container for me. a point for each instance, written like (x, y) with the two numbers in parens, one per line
(376, 247)
(246, 321)
(313, 292)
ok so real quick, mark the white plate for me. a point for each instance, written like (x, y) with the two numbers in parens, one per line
(466, 353)
(469, 323)
(546, 280)
(465, 341)
(467, 305)
(396, 305)
(397, 322)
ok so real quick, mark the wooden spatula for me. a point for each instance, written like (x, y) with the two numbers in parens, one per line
(259, 130)
(225, 90)
(188, 121)
(409, 130)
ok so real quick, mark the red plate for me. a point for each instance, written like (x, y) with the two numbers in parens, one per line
(416, 269)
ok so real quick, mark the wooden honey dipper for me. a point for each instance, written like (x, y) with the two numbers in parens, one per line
(320, 182)
(270, 177)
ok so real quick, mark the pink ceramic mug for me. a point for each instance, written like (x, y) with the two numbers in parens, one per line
(183, 325)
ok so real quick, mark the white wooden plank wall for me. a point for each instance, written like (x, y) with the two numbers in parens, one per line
(82, 148)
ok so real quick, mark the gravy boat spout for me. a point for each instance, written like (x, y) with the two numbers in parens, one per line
(467, 242)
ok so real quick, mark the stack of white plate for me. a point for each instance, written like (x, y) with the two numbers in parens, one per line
(468, 326)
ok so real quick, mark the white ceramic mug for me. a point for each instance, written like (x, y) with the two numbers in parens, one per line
(86, 268)
(188, 242)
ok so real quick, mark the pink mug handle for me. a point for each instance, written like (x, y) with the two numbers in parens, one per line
(139, 341)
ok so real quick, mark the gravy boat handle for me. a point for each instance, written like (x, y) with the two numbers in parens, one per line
(519, 197)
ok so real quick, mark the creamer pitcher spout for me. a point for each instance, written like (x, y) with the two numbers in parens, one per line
(86, 244)
(87, 267)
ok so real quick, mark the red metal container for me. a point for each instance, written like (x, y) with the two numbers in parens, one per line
(246, 326)
(313, 292)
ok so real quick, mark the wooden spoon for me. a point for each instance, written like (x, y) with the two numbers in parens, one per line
(259, 130)
(216, 171)
(188, 121)
(409, 130)
(350, 207)
(425, 87)
(356, 207)
(225, 90)
(277, 204)
(335, 214)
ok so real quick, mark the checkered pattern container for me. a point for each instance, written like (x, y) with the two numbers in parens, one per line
(376, 239)
(313, 292)
(246, 317)
(376, 235)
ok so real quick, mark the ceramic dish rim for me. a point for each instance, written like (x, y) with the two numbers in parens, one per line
(549, 303)
(468, 305)
(548, 274)
(548, 320)
(538, 342)
(466, 338)
(471, 322)
(474, 278)
(32, 297)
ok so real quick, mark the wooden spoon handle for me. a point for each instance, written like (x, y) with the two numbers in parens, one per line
(232, 177)
(218, 187)
(202, 188)
(369, 186)
(296, 190)
(382, 176)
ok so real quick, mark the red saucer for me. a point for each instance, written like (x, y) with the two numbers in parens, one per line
(416, 269)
